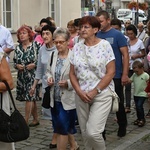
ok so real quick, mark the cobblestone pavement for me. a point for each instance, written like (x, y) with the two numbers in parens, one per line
(137, 138)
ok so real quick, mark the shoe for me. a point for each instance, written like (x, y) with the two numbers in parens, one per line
(77, 146)
(141, 123)
(51, 146)
(127, 110)
(148, 114)
(33, 124)
(136, 122)
(121, 131)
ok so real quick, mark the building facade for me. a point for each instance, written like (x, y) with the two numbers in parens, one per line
(14, 13)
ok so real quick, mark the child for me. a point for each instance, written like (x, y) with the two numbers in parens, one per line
(139, 79)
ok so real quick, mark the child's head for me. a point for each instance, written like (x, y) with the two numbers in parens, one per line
(138, 67)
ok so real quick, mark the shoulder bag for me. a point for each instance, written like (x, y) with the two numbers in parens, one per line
(115, 101)
(13, 127)
(46, 96)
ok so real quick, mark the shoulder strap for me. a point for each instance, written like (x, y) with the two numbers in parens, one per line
(52, 58)
(10, 94)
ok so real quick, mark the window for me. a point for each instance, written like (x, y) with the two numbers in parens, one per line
(53, 9)
(7, 13)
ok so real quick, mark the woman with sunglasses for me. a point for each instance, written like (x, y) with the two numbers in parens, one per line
(62, 96)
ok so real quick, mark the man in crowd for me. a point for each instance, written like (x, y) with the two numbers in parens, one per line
(119, 45)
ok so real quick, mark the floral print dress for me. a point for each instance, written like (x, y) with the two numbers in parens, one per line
(25, 78)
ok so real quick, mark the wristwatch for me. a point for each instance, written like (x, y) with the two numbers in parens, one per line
(99, 90)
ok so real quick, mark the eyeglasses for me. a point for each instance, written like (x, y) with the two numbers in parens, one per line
(59, 42)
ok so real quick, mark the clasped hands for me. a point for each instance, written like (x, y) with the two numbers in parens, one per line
(21, 67)
(61, 83)
(87, 97)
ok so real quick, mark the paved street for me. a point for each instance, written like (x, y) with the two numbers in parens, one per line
(136, 139)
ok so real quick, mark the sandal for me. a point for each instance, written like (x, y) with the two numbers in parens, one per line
(148, 114)
(136, 122)
(141, 123)
(51, 146)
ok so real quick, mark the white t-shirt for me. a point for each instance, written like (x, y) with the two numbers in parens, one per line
(135, 49)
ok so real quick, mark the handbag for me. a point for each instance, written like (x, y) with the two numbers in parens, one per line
(46, 96)
(115, 101)
(13, 127)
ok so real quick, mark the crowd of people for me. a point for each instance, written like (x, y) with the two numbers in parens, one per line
(90, 58)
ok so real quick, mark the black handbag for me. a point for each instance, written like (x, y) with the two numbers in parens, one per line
(13, 128)
(46, 97)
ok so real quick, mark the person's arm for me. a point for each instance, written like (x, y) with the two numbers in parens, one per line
(38, 73)
(32, 90)
(141, 55)
(5, 74)
(9, 43)
(105, 81)
(8, 50)
(73, 79)
(125, 54)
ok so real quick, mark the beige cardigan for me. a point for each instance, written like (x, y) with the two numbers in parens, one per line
(67, 95)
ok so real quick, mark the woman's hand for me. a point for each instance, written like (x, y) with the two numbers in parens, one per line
(84, 97)
(63, 83)
(20, 67)
(32, 91)
(50, 81)
(30, 66)
(92, 94)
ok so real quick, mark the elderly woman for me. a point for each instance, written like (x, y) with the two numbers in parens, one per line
(91, 73)
(62, 96)
(25, 61)
(5, 74)
(43, 57)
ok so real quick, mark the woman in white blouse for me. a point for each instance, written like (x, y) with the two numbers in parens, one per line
(91, 73)
(136, 52)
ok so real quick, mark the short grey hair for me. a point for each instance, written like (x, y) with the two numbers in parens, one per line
(62, 32)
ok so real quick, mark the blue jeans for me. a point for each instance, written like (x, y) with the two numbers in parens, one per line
(139, 101)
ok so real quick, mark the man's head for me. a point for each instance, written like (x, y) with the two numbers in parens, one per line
(104, 19)
(116, 24)
(140, 26)
(127, 23)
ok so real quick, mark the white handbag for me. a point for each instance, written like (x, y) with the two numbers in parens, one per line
(115, 101)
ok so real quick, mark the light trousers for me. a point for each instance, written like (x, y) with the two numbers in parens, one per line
(92, 119)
